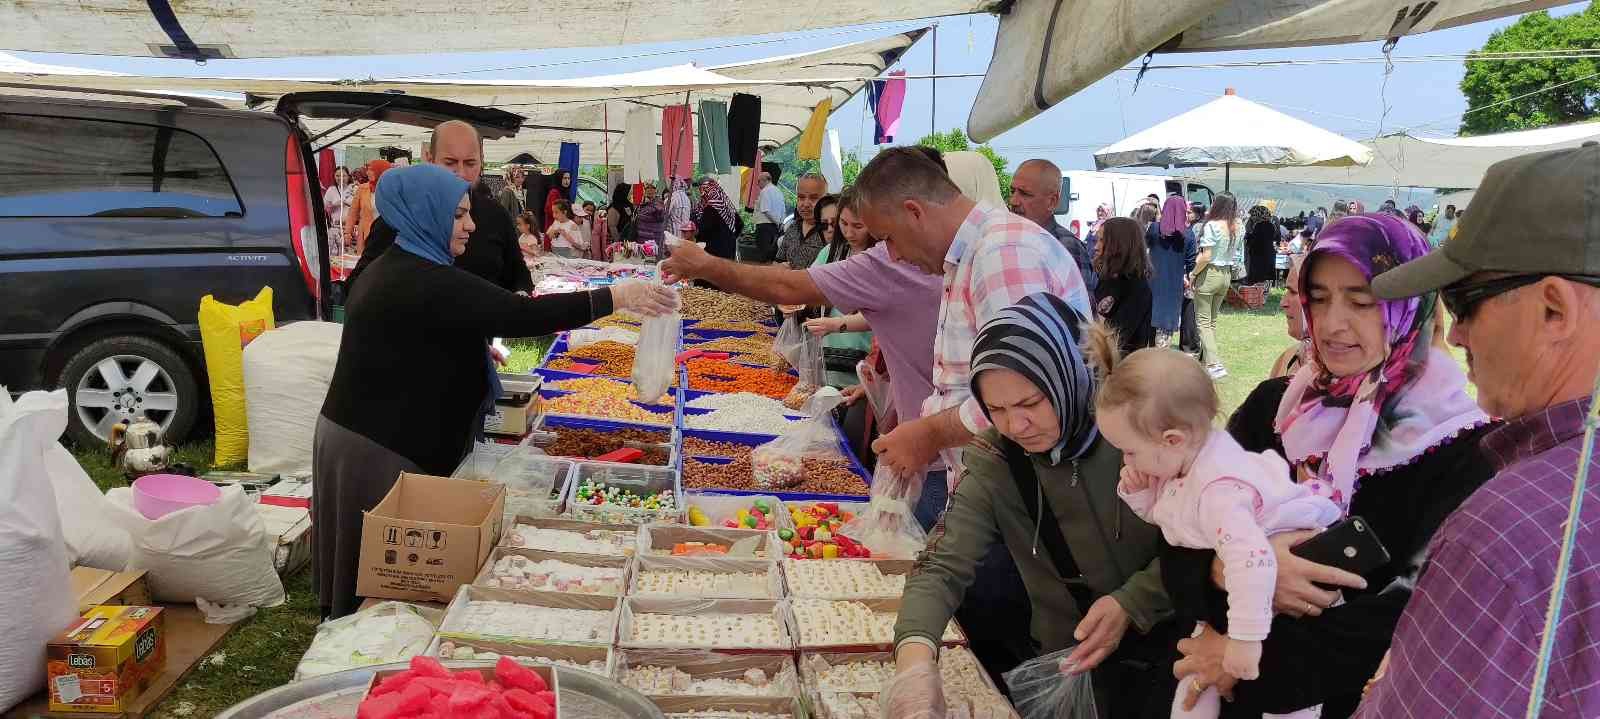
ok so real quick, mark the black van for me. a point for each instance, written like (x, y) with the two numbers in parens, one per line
(118, 215)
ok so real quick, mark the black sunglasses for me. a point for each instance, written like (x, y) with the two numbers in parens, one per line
(1462, 300)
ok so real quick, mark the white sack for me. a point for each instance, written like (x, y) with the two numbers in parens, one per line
(36, 599)
(286, 376)
(221, 553)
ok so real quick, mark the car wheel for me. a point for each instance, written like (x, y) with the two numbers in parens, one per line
(116, 379)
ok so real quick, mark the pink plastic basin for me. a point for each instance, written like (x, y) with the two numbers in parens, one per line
(158, 495)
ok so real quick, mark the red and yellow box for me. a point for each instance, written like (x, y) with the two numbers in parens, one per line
(106, 659)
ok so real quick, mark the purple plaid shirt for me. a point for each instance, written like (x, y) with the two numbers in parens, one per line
(1468, 641)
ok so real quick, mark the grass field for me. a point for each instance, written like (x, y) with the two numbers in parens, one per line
(262, 652)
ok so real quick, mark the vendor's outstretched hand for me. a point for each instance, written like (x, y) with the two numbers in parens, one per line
(688, 262)
(643, 298)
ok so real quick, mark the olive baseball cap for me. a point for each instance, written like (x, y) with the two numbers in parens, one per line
(1532, 214)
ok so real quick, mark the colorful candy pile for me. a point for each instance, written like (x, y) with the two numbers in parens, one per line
(757, 516)
(816, 534)
(599, 494)
(428, 689)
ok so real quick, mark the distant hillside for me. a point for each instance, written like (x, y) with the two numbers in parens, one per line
(1293, 198)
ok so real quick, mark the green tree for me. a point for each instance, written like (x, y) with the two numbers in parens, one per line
(956, 141)
(1489, 82)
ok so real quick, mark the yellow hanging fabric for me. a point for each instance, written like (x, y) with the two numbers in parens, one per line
(811, 140)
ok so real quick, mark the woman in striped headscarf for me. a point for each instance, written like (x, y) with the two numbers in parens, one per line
(716, 223)
(1041, 486)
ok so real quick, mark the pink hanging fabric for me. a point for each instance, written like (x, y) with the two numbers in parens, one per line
(891, 102)
(677, 142)
(325, 168)
(752, 188)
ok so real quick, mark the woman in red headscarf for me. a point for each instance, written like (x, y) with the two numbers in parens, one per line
(362, 209)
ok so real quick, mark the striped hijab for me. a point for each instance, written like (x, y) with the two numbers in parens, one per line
(1038, 338)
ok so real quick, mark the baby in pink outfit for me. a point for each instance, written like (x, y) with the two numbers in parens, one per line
(1194, 481)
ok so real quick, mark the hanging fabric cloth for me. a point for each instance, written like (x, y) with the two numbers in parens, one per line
(751, 187)
(639, 156)
(874, 94)
(891, 99)
(713, 138)
(569, 162)
(677, 142)
(744, 129)
(325, 167)
(832, 162)
(811, 139)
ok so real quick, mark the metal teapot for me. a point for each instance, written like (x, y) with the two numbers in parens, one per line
(138, 447)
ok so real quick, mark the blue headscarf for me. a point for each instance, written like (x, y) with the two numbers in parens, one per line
(420, 202)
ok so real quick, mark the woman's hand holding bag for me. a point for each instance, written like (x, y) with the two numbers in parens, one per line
(649, 299)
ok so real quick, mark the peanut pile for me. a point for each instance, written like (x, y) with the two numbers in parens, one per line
(822, 476)
(705, 304)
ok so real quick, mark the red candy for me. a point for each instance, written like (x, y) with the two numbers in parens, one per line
(429, 691)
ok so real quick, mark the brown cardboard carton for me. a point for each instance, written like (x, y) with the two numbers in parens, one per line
(106, 659)
(428, 537)
(94, 587)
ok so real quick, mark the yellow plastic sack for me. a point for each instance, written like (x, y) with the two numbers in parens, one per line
(224, 331)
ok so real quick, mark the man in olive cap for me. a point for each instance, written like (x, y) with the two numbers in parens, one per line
(1522, 281)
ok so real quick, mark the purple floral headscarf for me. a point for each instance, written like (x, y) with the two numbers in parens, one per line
(1338, 429)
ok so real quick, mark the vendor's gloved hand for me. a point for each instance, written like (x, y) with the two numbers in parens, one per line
(914, 692)
(643, 298)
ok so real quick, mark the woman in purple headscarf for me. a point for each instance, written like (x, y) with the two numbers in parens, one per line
(1378, 420)
(1170, 242)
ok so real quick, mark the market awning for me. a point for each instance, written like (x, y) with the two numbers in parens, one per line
(1047, 50)
(1232, 131)
(297, 28)
(590, 111)
(1438, 162)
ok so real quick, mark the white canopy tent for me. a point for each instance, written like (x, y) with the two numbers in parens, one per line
(1450, 162)
(1232, 132)
(298, 28)
(1047, 50)
(590, 111)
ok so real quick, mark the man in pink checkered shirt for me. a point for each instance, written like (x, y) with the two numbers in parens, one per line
(990, 259)
(1521, 278)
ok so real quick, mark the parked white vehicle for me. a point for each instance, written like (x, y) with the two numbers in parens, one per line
(1084, 190)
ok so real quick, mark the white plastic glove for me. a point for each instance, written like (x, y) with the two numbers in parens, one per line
(648, 299)
(914, 692)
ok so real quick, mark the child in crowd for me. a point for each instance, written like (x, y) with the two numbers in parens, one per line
(526, 239)
(566, 239)
(1205, 491)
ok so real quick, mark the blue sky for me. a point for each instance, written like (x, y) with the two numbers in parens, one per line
(1343, 98)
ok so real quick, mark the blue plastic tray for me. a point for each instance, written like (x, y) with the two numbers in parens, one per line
(671, 410)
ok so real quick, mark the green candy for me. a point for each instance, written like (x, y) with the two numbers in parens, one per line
(786, 534)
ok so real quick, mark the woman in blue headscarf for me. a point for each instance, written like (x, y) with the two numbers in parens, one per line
(414, 374)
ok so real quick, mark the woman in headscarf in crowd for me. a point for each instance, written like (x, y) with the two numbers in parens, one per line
(679, 213)
(560, 185)
(1101, 213)
(1415, 216)
(975, 175)
(1378, 420)
(1189, 332)
(1123, 296)
(715, 219)
(363, 208)
(650, 219)
(1295, 355)
(620, 214)
(1169, 242)
(336, 204)
(1260, 246)
(420, 307)
(1042, 484)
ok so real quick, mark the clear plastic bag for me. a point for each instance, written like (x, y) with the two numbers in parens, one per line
(381, 634)
(803, 351)
(888, 527)
(780, 464)
(655, 357)
(879, 396)
(1041, 690)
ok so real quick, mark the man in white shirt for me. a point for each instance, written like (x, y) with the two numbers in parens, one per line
(770, 210)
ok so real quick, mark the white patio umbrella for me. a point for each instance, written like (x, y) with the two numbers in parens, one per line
(1231, 131)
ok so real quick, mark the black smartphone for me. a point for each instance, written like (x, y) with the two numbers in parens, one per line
(1349, 544)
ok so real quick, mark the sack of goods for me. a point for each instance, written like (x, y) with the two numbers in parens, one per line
(286, 376)
(37, 595)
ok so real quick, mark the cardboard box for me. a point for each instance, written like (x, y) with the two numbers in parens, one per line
(106, 659)
(290, 528)
(94, 587)
(428, 537)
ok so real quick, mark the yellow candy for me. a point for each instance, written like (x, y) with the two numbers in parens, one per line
(830, 551)
(698, 518)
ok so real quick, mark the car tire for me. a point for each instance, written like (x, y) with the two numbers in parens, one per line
(125, 376)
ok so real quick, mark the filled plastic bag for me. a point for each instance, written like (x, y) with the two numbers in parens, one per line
(220, 552)
(286, 376)
(888, 525)
(225, 330)
(803, 351)
(1041, 689)
(780, 464)
(875, 385)
(656, 356)
(36, 595)
(384, 633)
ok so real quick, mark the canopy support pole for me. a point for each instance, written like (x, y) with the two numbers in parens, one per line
(933, 104)
(1227, 177)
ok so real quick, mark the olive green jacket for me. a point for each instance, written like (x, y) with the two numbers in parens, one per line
(1115, 550)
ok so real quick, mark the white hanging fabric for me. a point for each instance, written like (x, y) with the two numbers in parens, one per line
(640, 162)
(832, 163)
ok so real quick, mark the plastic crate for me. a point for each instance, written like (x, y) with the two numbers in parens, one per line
(756, 440)
(640, 479)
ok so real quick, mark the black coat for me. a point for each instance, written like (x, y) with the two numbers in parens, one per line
(1261, 253)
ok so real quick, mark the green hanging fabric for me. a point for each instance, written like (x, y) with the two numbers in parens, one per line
(713, 133)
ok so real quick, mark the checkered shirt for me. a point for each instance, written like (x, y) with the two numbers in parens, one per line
(1468, 641)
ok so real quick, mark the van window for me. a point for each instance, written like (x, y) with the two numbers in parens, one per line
(1200, 194)
(68, 167)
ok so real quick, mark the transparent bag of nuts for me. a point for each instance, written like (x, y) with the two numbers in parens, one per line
(779, 464)
(803, 351)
